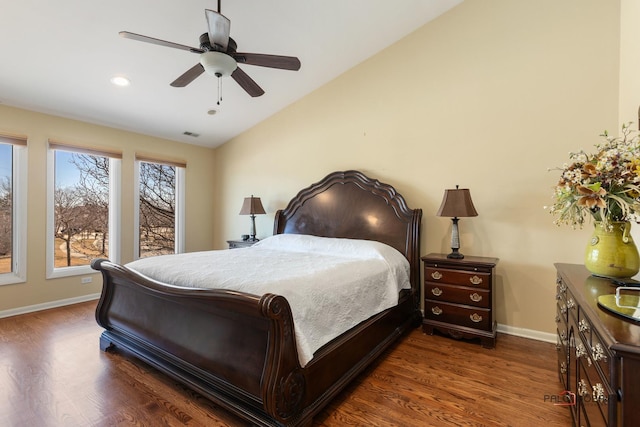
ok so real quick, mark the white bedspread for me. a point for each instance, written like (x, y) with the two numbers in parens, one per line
(331, 284)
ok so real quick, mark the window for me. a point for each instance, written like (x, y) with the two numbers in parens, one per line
(13, 209)
(84, 192)
(160, 208)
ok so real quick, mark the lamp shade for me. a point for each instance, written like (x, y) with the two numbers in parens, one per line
(457, 203)
(252, 206)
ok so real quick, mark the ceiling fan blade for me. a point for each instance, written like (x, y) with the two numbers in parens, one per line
(272, 61)
(190, 75)
(247, 83)
(139, 37)
(219, 27)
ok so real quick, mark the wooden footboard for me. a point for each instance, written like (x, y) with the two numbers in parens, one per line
(236, 349)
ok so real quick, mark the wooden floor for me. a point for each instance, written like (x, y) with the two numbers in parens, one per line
(52, 373)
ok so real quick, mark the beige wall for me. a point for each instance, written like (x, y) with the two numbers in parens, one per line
(488, 96)
(39, 128)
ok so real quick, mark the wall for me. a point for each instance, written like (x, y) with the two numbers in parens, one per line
(39, 128)
(488, 96)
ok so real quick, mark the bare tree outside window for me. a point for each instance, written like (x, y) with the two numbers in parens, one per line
(6, 208)
(157, 209)
(81, 208)
(6, 224)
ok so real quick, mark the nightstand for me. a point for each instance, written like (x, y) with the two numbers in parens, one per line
(459, 297)
(235, 244)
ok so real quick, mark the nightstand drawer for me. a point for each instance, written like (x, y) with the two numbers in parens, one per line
(458, 294)
(458, 277)
(471, 317)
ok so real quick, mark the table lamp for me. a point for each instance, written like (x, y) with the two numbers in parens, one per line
(456, 203)
(252, 206)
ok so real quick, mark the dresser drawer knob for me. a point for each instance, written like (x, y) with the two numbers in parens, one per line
(475, 297)
(436, 275)
(475, 280)
(436, 291)
(436, 310)
(475, 318)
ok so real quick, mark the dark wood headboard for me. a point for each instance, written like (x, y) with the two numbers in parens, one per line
(351, 205)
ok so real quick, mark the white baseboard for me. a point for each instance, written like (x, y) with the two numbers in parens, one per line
(48, 305)
(527, 333)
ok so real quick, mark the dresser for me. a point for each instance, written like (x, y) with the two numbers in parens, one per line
(459, 297)
(598, 352)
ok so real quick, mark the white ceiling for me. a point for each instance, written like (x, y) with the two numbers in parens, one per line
(57, 57)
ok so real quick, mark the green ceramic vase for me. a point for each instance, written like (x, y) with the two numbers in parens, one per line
(612, 252)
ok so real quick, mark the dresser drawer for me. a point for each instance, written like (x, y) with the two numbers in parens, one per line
(597, 399)
(458, 294)
(474, 279)
(460, 315)
(595, 350)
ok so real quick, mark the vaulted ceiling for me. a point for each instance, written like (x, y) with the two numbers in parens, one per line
(58, 57)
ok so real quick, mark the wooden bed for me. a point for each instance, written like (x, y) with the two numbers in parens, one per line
(238, 349)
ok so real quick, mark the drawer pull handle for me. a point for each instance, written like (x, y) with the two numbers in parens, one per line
(475, 297)
(598, 393)
(436, 275)
(571, 303)
(475, 280)
(598, 353)
(563, 309)
(563, 336)
(580, 351)
(582, 388)
(583, 326)
(563, 368)
(563, 288)
(436, 291)
(436, 310)
(557, 318)
(475, 318)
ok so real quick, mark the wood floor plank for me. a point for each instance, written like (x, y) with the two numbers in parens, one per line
(52, 373)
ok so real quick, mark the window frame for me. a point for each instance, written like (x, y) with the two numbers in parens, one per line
(179, 221)
(115, 193)
(18, 273)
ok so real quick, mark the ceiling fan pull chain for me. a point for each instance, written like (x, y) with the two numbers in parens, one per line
(219, 89)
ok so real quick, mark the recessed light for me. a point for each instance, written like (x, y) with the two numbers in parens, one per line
(120, 81)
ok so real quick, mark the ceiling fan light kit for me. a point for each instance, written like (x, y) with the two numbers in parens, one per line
(217, 63)
(218, 56)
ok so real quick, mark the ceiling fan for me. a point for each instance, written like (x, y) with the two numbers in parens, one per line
(218, 55)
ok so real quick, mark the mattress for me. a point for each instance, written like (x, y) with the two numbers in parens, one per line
(331, 284)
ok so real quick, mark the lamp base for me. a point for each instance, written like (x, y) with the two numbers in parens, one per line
(455, 254)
